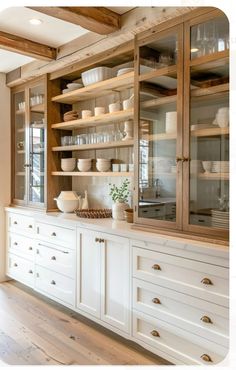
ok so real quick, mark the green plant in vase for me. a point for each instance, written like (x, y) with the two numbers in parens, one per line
(119, 195)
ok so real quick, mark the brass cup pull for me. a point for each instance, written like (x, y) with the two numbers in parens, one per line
(30, 226)
(15, 222)
(206, 281)
(30, 248)
(156, 267)
(53, 258)
(101, 240)
(206, 358)
(54, 234)
(53, 282)
(206, 319)
(155, 333)
(30, 271)
(156, 301)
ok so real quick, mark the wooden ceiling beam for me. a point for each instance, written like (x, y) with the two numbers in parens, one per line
(96, 19)
(27, 47)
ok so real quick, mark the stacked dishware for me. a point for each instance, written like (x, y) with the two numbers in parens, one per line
(220, 166)
(220, 219)
(103, 164)
(84, 164)
(71, 87)
(171, 122)
(95, 75)
(70, 116)
(195, 166)
(222, 117)
(68, 164)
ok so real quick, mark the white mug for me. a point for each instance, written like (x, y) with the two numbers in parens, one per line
(86, 113)
(99, 110)
(114, 107)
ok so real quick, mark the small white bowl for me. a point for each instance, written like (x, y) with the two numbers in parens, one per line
(68, 164)
(207, 166)
(84, 165)
(103, 167)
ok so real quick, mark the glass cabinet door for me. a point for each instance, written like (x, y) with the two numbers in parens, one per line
(159, 120)
(208, 128)
(19, 146)
(36, 144)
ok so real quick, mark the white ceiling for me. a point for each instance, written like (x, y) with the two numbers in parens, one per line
(53, 32)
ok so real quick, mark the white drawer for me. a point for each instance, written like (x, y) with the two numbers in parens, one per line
(195, 278)
(182, 310)
(21, 245)
(56, 234)
(21, 223)
(175, 341)
(56, 258)
(20, 269)
(55, 285)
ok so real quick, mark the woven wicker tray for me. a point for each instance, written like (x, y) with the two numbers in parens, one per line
(94, 213)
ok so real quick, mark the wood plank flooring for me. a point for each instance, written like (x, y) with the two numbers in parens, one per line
(37, 331)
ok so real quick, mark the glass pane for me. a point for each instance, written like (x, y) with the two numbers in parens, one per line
(158, 54)
(157, 148)
(209, 37)
(20, 152)
(209, 146)
(37, 145)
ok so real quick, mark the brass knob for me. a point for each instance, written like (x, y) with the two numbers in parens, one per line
(206, 358)
(54, 234)
(15, 265)
(156, 301)
(30, 226)
(156, 267)
(15, 222)
(206, 281)
(155, 333)
(101, 240)
(206, 319)
(97, 240)
(30, 271)
(185, 159)
(15, 243)
(30, 248)
(53, 282)
(53, 258)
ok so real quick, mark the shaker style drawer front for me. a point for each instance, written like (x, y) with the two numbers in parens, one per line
(21, 245)
(198, 316)
(57, 234)
(56, 258)
(21, 269)
(21, 223)
(190, 348)
(55, 285)
(195, 278)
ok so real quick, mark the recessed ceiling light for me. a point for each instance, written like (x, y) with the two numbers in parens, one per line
(35, 21)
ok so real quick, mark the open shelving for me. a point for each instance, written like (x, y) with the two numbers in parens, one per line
(91, 173)
(215, 131)
(108, 145)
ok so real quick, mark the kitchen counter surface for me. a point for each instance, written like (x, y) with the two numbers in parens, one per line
(122, 228)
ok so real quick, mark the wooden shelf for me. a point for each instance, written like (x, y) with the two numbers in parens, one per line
(159, 101)
(20, 151)
(20, 112)
(218, 89)
(20, 173)
(213, 176)
(96, 174)
(164, 136)
(215, 131)
(164, 71)
(212, 60)
(101, 88)
(95, 120)
(114, 144)
(21, 130)
(38, 108)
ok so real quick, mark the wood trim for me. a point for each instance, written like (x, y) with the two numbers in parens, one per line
(96, 19)
(113, 144)
(26, 47)
(91, 173)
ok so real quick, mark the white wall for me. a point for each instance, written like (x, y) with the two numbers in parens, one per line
(5, 186)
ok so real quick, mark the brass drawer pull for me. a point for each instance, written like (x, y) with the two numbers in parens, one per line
(15, 265)
(15, 222)
(30, 226)
(206, 358)
(30, 271)
(206, 281)
(54, 234)
(155, 333)
(30, 248)
(37, 251)
(206, 319)
(97, 240)
(53, 282)
(15, 243)
(53, 258)
(156, 267)
(156, 301)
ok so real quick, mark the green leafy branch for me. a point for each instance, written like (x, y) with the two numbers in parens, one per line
(120, 193)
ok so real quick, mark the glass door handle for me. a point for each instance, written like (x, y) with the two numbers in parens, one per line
(185, 159)
(178, 159)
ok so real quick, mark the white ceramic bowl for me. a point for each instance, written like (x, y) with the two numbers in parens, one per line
(68, 195)
(207, 166)
(73, 86)
(67, 205)
(84, 165)
(95, 75)
(68, 164)
(103, 167)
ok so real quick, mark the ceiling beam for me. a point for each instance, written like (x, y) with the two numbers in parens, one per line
(96, 19)
(27, 47)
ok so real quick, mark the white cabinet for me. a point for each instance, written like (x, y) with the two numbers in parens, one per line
(103, 278)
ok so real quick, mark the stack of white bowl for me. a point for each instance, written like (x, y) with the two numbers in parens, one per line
(103, 164)
(68, 164)
(68, 201)
(84, 164)
(171, 122)
(220, 166)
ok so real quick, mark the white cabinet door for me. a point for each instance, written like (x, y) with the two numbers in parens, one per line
(115, 279)
(88, 272)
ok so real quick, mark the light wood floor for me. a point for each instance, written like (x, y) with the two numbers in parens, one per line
(36, 331)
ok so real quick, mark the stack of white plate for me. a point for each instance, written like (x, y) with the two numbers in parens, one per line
(220, 167)
(220, 219)
(196, 166)
(72, 86)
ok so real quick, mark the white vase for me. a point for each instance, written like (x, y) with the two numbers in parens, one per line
(118, 209)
